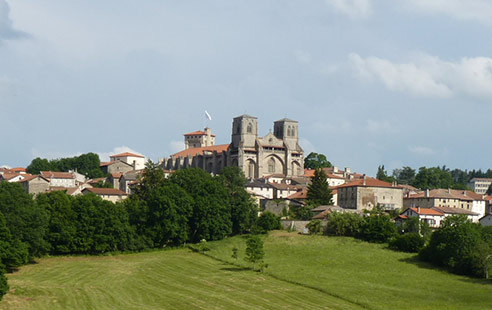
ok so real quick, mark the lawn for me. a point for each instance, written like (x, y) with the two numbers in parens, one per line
(304, 272)
(363, 273)
(173, 279)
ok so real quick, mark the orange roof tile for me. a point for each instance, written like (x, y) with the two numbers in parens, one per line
(302, 194)
(426, 211)
(200, 150)
(368, 182)
(105, 191)
(57, 175)
(197, 133)
(126, 154)
(448, 194)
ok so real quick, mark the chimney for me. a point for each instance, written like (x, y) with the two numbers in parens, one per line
(364, 179)
(335, 169)
(427, 193)
(347, 170)
(449, 190)
(418, 210)
(134, 165)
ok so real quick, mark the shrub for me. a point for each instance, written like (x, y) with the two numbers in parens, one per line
(268, 221)
(377, 228)
(314, 227)
(410, 242)
(343, 224)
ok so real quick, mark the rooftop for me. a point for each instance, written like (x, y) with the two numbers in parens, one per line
(201, 150)
(127, 154)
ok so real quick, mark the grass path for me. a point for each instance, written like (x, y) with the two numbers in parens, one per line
(175, 279)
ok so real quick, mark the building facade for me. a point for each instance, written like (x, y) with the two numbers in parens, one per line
(275, 153)
(480, 185)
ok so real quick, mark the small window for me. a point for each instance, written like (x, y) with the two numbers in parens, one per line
(250, 128)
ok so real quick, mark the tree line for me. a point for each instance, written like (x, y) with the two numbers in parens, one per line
(86, 164)
(189, 206)
(432, 177)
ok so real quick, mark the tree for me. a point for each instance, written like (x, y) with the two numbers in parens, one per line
(377, 227)
(405, 175)
(316, 161)
(343, 224)
(432, 178)
(254, 250)
(314, 227)
(268, 221)
(243, 208)
(383, 176)
(87, 164)
(4, 287)
(319, 193)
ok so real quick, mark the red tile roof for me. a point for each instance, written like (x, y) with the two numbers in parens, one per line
(105, 191)
(328, 172)
(200, 150)
(57, 175)
(426, 211)
(448, 194)
(126, 154)
(449, 210)
(368, 182)
(302, 194)
(32, 177)
(197, 133)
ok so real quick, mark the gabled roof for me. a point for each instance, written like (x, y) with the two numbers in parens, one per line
(302, 194)
(197, 133)
(105, 191)
(57, 175)
(448, 210)
(427, 211)
(127, 154)
(368, 182)
(447, 194)
(32, 177)
(201, 150)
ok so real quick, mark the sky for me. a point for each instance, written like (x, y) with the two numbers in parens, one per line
(371, 82)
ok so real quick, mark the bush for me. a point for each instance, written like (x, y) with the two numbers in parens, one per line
(377, 228)
(342, 224)
(268, 221)
(4, 287)
(314, 227)
(410, 242)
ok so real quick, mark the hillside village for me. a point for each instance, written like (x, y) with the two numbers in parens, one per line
(273, 165)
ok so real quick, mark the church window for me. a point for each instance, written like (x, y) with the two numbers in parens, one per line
(271, 165)
(250, 128)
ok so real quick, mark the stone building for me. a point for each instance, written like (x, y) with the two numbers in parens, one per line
(35, 184)
(479, 185)
(366, 193)
(275, 153)
(451, 198)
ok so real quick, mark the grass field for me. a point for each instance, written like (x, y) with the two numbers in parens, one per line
(305, 272)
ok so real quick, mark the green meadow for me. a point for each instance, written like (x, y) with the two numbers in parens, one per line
(304, 272)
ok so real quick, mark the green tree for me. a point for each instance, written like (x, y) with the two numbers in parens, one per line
(243, 208)
(377, 227)
(37, 165)
(383, 175)
(254, 250)
(319, 193)
(4, 287)
(343, 224)
(314, 227)
(268, 221)
(405, 175)
(316, 161)
(432, 178)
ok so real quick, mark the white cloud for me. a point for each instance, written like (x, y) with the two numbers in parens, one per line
(303, 57)
(478, 10)
(354, 9)
(104, 156)
(7, 31)
(378, 126)
(429, 76)
(421, 150)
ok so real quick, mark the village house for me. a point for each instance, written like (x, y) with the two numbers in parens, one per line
(479, 185)
(135, 160)
(460, 199)
(60, 179)
(366, 193)
(260, 189)
(332, 178)
(109, 194)
(115, 167)
(35, 184)
(430, 216)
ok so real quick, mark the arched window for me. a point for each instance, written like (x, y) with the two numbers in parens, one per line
(289, 131)
(251, 169)
(271, 165)
(250, 128)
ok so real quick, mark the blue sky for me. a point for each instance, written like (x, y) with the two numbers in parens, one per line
(399, 83)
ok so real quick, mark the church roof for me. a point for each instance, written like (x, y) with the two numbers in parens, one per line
(201, 150)
(246, 116)
(286, 120)
(197, 133)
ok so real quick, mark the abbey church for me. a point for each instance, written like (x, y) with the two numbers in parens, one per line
(277, 153)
